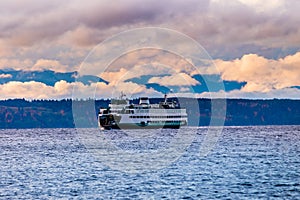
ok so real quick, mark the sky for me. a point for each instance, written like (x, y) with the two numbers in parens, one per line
(251, 46)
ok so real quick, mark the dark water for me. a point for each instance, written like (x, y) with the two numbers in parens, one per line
(245, 163)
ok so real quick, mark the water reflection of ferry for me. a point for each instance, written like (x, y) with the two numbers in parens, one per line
(122, 115)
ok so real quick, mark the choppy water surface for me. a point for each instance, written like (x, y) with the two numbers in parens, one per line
(247, 162)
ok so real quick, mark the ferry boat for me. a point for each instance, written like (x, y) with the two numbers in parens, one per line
(122, 115)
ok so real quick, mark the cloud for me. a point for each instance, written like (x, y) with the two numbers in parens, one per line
(36, 27)
(39, 65)
(36, 90)
(137, 71)
(180, 79)
(30, 90)
(57, 35)
(267, 6)
(261, 74)
(88, 24)
(148, 61)
(15, 64)
(256, 21)
(81, 36)
(26, 24)
(64, 90)
(54, 65)
(5, 76)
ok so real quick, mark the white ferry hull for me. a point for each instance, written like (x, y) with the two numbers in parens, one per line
(118, 123)
(173, 125)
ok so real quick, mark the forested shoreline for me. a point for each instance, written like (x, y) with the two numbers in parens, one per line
(21, 113)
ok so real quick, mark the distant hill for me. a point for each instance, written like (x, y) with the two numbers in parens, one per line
(19, 113)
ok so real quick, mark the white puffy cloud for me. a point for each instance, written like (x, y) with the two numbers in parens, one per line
(5, 75)
(64, 90)
(30, 90)
(46, 64)
(30, 65)
(136, 71)
(264, 6)
(137, 63)
(180, 79)
(81, 36)
(101, 90)
(262, 74)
